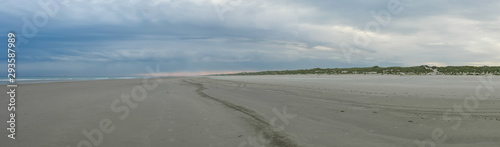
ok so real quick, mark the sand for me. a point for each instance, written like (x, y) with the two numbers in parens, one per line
(294, 110)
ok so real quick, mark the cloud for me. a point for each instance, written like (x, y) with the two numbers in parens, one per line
(122, 37)
(323, 48)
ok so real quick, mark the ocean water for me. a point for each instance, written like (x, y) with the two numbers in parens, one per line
(27, 80)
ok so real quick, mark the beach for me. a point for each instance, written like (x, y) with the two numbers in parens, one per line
(274, 110)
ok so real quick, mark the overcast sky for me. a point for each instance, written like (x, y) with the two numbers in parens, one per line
(122, 37)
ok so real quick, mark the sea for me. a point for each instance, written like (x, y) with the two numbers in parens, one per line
(28, 80)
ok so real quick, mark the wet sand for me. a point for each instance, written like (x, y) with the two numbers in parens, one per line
(298, 110)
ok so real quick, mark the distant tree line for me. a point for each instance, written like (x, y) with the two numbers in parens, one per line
(415, 70)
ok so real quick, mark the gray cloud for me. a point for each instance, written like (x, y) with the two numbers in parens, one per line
(121, 37)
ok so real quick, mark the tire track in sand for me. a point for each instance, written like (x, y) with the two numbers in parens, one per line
(273, 135)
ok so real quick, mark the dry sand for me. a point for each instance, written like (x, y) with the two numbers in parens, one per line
(299, 110)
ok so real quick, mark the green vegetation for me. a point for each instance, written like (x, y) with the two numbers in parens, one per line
(416, 70)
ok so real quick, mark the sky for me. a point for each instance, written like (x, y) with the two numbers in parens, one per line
(191, 37)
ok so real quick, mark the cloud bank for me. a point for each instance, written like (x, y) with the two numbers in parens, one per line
(112, 37)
